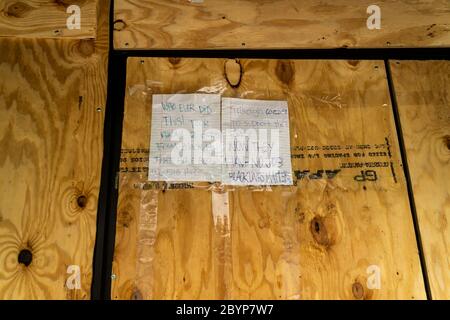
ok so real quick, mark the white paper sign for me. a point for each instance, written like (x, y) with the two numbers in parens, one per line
(179, 123)
(256, 142)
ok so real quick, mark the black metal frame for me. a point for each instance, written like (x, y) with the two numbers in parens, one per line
(108, 196)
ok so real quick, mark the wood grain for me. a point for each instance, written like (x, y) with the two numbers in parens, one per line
(47, 18)
(253, 24)
(52, 99)
(422, 90)
(315, 240)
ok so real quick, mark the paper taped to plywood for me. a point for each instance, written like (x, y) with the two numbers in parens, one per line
(179, 124)
(256, 142)
(248, 144)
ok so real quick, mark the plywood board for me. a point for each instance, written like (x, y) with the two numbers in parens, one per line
(47, 18)
(422, 91)
(248, 24)
(345, 222)
(52, 103)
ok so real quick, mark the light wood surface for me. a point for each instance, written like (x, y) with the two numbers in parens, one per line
(319, 239)
(244, 24)
(52, 103)
(47, 18)
(422, 90)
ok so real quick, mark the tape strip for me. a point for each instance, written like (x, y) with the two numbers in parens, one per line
(220, 210)
(222, 240)
(146, 237)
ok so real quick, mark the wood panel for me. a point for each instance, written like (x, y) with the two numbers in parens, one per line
(46, 18)
(346, 216)
(422, 90)
(52, 100)
(159, 24)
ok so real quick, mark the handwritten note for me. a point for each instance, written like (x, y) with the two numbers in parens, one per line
(177, 137)
(247, 144)
(257, 146)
